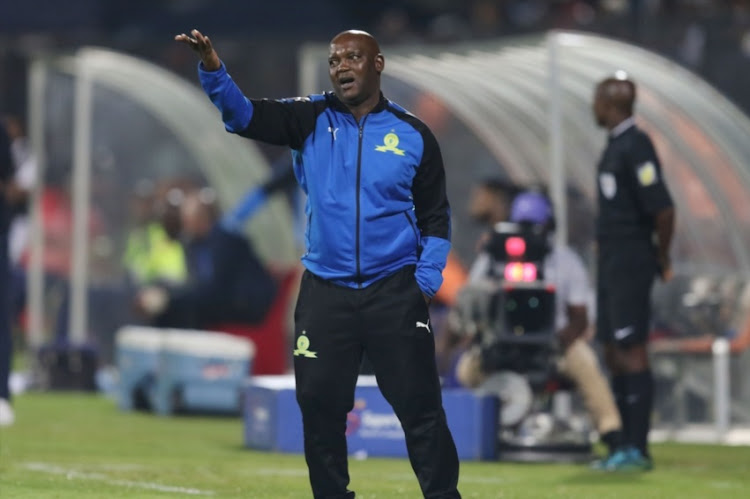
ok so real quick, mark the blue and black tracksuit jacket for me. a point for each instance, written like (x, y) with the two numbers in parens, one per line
(375, 189)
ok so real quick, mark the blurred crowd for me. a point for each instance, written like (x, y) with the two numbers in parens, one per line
(710, 36)
(170, 258)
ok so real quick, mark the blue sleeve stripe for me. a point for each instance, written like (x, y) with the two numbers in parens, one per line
(431, 263)
(236, 109)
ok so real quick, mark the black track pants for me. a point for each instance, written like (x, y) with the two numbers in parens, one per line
(388, 320)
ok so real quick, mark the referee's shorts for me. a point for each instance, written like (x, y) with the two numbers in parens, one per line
(625, 276)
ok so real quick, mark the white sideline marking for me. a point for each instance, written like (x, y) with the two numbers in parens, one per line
(280, 471)
(80, 475)
(400, 477)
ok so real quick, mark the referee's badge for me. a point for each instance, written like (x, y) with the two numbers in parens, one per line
(608, 185)
(647, 174)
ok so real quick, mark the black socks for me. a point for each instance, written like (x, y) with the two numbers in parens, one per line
(634, 394)
(613, 440)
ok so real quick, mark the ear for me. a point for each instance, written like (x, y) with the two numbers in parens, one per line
(379, 63)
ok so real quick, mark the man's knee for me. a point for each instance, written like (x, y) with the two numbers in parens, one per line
(321, 398)
(469, 369)
(628, 358)
(579, 360)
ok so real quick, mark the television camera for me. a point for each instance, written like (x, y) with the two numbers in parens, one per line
(513, 315)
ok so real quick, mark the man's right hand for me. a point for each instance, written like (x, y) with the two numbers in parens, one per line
(202, 46)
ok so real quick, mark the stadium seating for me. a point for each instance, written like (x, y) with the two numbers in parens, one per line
(273, 422)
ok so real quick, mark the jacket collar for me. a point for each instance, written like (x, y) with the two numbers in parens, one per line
(622, 127)
(340, 106)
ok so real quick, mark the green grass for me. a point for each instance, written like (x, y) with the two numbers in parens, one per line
(78, 446)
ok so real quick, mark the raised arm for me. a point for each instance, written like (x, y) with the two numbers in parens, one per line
(281, 122)
(202, 46)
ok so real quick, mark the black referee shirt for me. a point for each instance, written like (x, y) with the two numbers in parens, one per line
(631, 187)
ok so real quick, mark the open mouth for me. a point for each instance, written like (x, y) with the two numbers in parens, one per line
(346, 82)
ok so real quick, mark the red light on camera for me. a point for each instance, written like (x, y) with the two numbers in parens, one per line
(529, 272)
(515, 246)
(520, 272)
(514, 272)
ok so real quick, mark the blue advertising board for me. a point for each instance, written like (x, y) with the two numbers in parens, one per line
(273, 421)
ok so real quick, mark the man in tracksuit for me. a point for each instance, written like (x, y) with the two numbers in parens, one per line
(377, 240)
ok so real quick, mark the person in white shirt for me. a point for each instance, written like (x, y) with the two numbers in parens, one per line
(564, 270)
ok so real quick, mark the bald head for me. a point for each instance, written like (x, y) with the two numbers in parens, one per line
(364, 37)
(619, 93)
(354, 67)
(614, 101)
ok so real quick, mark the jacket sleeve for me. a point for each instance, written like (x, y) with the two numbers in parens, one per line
(285, 122)
(433, 216)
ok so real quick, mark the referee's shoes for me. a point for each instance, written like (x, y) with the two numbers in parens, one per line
(624, 459)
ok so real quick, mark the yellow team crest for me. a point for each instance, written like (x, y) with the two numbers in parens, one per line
(647, 174)
(303, 347)
(390, 143)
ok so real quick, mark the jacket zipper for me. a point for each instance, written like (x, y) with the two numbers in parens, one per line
(359, 179)
(309, 231)
(413, 228)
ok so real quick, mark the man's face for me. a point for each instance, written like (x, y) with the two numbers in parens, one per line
(600, 108)
(194, 221)
(354, 67)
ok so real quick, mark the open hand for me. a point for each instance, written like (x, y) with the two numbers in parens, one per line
(202, 46)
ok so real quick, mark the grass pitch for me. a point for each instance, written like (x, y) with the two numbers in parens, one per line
(81, 446)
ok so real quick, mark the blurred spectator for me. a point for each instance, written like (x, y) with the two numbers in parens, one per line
(24, 178)
(152, 254)
(394, 26)
(18, 193)
(485, 18)
(226, 280)
(692, 49)
(490, 204)
(526, 13)
(6, 175)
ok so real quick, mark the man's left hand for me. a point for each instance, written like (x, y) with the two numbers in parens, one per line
(665, 269)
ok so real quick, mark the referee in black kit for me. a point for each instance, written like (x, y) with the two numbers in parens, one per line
(377, 240)
(634, 232)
